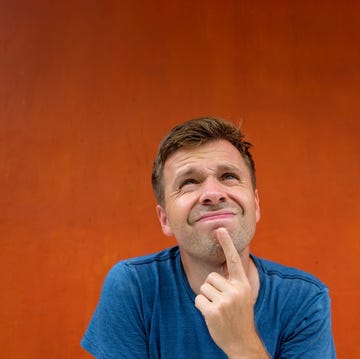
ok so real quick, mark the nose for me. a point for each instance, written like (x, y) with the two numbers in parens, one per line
(212, 192)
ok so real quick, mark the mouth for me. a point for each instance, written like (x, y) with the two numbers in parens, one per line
(213, 216)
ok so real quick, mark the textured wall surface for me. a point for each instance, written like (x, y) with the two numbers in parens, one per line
(88, 88)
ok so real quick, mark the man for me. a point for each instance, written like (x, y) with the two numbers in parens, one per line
(208, 297)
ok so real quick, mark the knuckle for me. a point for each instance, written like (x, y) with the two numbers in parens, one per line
(203, 287)
(211, 277)
(199, 302)
(228, 301)
(235, 258)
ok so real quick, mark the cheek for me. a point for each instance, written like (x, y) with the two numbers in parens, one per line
(247, 203)
(180, 209)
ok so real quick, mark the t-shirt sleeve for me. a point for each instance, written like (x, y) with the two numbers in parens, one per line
(311, 337)
(116, 329)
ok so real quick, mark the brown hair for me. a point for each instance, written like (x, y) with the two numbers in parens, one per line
(194, 133)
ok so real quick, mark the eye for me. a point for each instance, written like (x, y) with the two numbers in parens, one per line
(187, 182)
(229, 176)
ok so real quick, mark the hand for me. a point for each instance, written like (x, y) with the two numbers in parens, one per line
(228, 308)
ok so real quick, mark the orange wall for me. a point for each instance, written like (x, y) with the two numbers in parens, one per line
(88, 88)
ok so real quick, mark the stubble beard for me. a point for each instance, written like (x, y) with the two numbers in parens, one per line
(207, 248)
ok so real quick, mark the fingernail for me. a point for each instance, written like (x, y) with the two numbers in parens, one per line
(221, 230)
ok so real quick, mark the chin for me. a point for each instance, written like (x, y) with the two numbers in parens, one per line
(216, 254)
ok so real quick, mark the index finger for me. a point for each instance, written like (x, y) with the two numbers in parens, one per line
(233, 260)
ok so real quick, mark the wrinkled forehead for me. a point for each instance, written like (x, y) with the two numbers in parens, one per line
(214, 155)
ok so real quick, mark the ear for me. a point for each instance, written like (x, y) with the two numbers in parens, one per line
(257, 206)
(163, 221)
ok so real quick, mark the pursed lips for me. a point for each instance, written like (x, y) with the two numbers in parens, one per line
(215, 215)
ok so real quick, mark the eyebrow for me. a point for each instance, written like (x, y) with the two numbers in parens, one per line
(192, 170)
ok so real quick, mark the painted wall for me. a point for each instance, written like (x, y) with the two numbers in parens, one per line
(88, 88)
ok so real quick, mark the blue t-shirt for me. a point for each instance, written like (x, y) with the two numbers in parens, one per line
(146, 310)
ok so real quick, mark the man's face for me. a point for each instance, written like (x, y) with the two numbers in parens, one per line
(206, 188)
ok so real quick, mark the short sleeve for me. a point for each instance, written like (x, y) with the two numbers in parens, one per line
(116, 329)
(312, 336)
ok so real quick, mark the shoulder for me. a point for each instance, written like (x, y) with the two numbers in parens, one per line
(122, 319)
(164, 256)
(293, 311)
(142, 268)
(294, 293)
(287, 278)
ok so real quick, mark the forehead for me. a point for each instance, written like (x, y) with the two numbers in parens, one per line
(212, 155)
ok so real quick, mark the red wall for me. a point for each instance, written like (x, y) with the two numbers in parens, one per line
(88, 88)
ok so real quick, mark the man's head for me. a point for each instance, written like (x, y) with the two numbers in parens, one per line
(195, 133)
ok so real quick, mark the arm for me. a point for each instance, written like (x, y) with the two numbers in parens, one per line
(116, 329)
(228, 308)
(310, 336)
